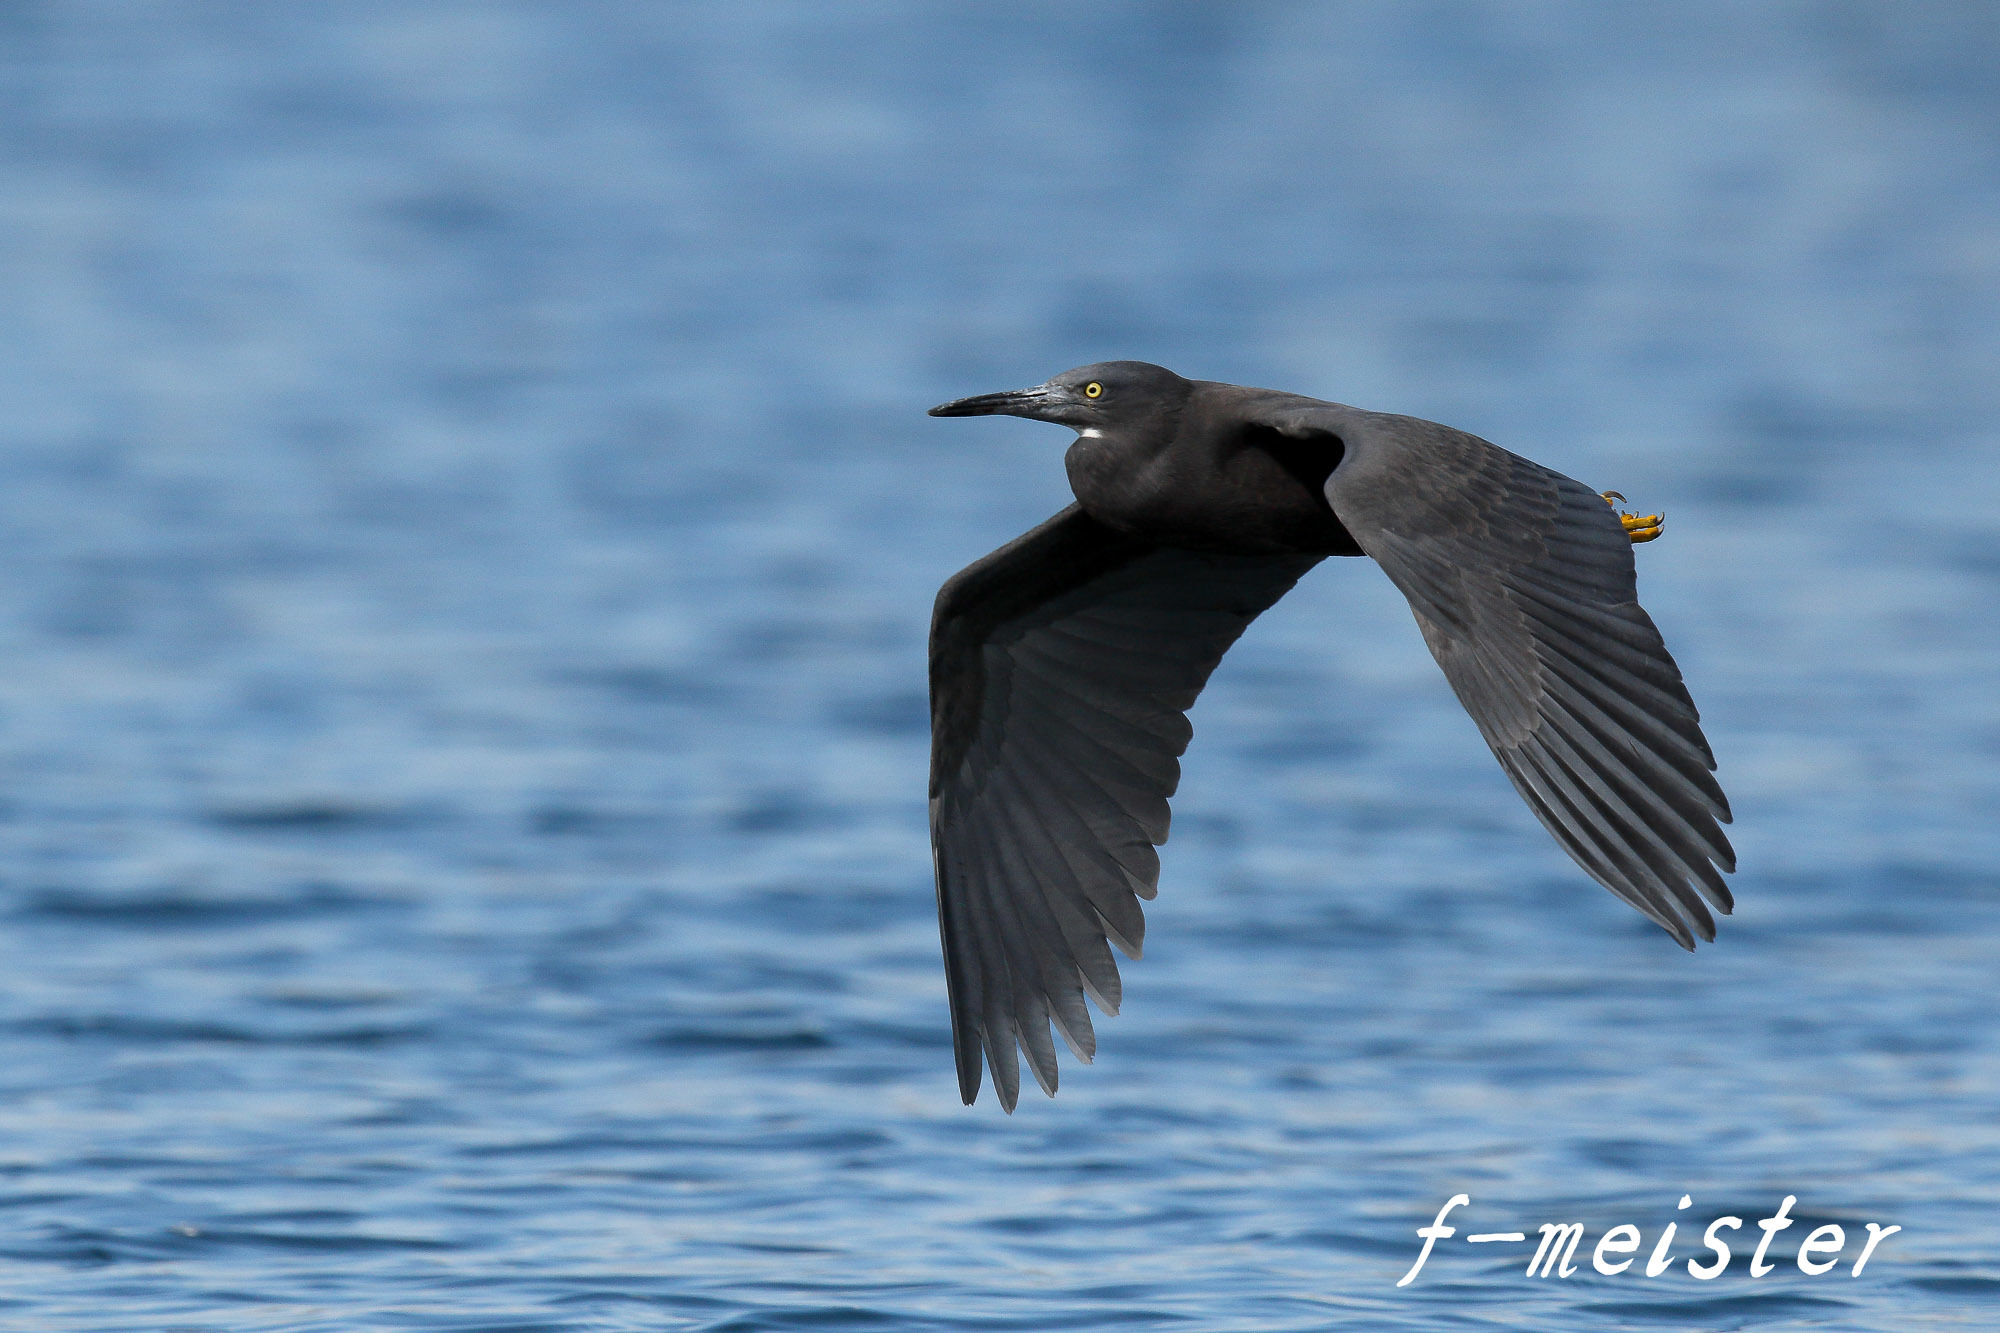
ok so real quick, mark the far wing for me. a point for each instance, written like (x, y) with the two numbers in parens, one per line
(1062, 666)
(1522, 582)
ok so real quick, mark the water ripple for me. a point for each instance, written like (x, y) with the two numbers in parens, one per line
(470, 532)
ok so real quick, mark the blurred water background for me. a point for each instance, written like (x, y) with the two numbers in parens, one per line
(467, 534)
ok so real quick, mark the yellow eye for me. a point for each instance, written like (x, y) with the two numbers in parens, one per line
(1093, 390)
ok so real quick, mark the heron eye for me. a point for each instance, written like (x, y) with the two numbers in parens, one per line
(1093, 390)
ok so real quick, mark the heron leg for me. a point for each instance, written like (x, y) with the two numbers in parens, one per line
(1639, 527)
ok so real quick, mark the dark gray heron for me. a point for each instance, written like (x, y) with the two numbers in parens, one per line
(1063, 664)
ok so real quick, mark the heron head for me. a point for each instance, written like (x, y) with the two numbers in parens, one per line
(1107, 394)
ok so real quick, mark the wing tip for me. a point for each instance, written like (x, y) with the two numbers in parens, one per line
(1006, 1092)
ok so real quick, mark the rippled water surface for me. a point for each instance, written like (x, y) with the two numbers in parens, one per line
(468, 529)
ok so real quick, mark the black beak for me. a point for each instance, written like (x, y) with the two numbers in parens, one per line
(1036, 404)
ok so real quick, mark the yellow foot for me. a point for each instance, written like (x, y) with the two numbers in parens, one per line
(1639, 527)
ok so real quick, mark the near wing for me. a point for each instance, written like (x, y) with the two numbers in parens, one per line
(1522, 583)
(1061, 669)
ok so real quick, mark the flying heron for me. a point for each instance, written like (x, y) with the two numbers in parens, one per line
(1063, 664)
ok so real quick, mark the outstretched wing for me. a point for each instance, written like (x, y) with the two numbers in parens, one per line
(1062, 666)
(1522, 583)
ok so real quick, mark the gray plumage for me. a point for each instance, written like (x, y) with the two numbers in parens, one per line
(1063, 666)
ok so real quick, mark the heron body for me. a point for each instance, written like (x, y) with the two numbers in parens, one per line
(1192, 472)
(1063, 665)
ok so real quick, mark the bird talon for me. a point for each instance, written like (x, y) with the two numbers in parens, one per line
(1639, 527)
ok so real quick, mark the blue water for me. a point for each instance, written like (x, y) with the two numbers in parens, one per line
(467, 532)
